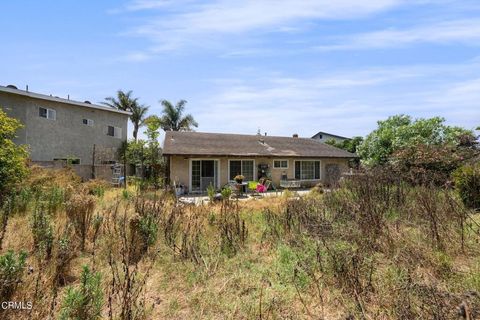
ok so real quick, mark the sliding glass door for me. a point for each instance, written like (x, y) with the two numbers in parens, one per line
(307, 170)
(203, 173)
(244, 167)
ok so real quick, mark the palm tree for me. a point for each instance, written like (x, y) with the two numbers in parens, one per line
(138, 117)
(124, 101)
(173, 118)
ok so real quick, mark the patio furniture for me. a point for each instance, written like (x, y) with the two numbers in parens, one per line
(241, 188)
(290, 184)
(261, 188)
(252, 187)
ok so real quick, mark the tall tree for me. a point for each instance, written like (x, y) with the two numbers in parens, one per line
(349, 145)
(173, 119)
(401, 131)
(138, 117)
(124, 101)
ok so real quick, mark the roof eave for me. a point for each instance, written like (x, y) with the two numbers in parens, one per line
(255, 155)
(40, 96)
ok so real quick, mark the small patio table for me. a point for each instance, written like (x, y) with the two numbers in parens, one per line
(241, 188)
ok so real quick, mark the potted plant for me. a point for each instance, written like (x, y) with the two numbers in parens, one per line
(239, 178)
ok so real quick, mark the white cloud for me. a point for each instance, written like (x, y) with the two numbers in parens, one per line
(466, 31)
(346, 103)
(199, 22)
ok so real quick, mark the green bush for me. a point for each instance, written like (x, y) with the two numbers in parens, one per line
(12, 268)
(55, 198)
(148, 229)
(42, 232)
(12, 157)
(211, 192)
(126, 194)
(467, 182)
(226, 193)
(99, 191)
(24, 197)
(85, 302)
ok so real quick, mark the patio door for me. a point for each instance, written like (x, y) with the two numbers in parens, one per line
(203, 173)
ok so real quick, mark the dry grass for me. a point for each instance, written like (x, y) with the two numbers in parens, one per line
(312, 258)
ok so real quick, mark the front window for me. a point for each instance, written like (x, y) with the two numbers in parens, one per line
(243, 167)
(280, 164)
(307, 170)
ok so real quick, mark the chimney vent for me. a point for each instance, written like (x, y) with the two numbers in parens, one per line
(295, 135)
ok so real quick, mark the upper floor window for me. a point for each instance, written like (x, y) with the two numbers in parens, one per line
(47, 113)
(88, 122)
(114, 131)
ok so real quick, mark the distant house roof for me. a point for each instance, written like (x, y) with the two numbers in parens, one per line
(57, 99)
(221, 144)
(330, 134)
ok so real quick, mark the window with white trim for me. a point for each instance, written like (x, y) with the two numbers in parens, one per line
(280, 164)
(88, 122)
(243, 167)
(46, 113)
(114, 132)
(307, 170)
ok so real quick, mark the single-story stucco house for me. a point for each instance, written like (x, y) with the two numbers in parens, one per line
(197, 159)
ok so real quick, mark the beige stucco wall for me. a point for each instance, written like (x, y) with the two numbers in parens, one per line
(67, 136)
(180, 167)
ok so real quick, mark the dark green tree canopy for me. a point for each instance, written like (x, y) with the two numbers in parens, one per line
(349, 145)
(401, 131)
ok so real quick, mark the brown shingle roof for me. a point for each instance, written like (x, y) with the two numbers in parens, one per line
(221, 144)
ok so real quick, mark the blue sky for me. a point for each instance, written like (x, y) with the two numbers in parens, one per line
(292, 66)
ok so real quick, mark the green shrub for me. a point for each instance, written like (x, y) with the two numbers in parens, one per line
(226, 193)
(12, 157)
(85, 302)
(148, 229)
(125, 194)
(99, 191)
(42, 232)
(211, 192)
(53, 198)
(467, 182)
(11, 272)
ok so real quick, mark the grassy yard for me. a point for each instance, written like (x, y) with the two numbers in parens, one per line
(372, 249)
